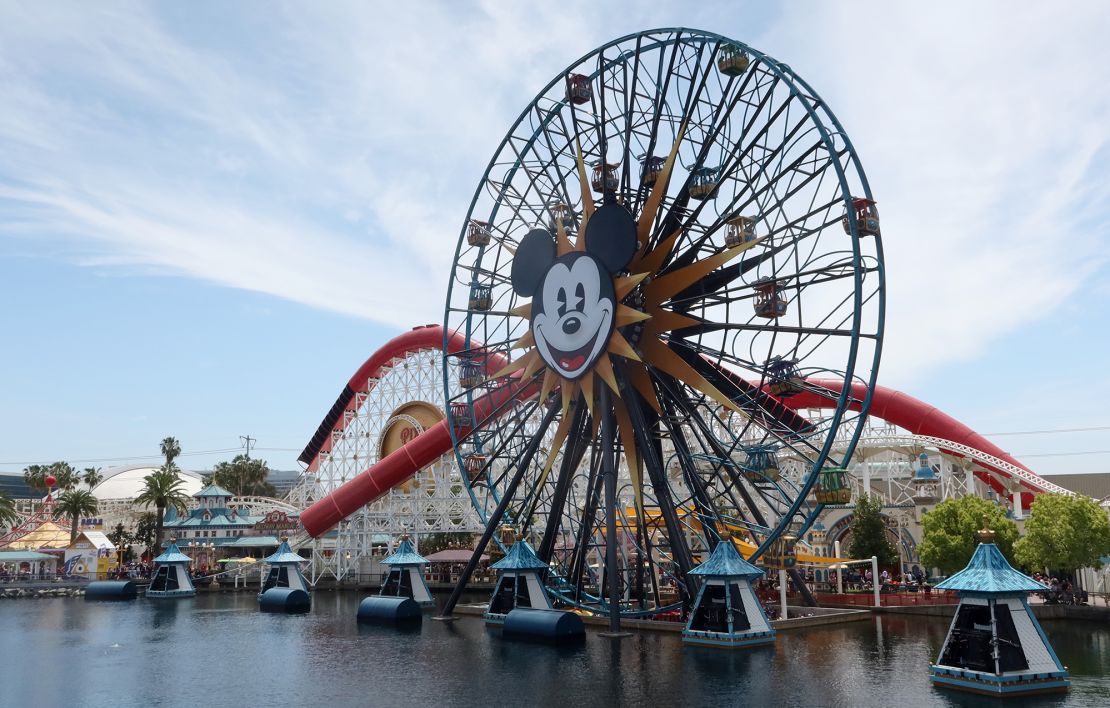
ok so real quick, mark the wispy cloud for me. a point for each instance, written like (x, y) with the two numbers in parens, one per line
(329, 157)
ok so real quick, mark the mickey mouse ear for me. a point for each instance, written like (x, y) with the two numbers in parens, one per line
(533, 259)
(611, 236)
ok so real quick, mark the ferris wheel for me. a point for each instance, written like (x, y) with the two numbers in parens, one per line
(673, 238)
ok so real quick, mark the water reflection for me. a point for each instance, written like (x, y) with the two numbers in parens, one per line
(221, 645)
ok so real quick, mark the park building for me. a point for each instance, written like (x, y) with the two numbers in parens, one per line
(213, 529)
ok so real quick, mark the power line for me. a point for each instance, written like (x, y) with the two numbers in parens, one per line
(1056, 430)
(138, 458)
(1065, 454)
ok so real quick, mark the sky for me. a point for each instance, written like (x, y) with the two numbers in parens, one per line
(212, 213)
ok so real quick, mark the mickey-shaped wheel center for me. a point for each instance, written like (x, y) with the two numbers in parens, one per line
(573, 300)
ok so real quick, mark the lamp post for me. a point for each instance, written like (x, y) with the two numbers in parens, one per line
(211, 546)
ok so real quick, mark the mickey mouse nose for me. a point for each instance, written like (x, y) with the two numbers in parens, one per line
(571, 325)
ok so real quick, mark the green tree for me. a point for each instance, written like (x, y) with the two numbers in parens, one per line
(122, 539)
(170, 448)
(1064, 533)
(76, 503)
(9, 517)
(948, 532)
(243, 477)
(91, 476)
(435, 542)
(162, 489)
(145, 529)
(869, 533)
(66, 474)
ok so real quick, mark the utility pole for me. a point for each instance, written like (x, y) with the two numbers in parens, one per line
(247, 440)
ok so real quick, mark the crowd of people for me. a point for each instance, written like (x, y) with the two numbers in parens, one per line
(1060, 591)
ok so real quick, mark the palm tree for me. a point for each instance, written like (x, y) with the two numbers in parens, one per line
(65, 473)
(75, 504)
(162, 490)
(92, 477)
(34, 476)
(170, 448)
(9, 517)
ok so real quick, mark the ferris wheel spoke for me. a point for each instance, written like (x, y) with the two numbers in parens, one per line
(689, 408)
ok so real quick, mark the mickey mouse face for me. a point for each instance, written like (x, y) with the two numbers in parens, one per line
(573, 303)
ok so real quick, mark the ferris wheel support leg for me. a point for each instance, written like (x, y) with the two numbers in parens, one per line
(523, 462)
(609, 472)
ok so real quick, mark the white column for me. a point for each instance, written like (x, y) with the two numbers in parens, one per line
(840, 571)
(970, 480)
(782, 593)
(875, 582)
(1018, 514)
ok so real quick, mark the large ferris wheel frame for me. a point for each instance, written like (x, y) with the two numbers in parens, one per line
(511, 409)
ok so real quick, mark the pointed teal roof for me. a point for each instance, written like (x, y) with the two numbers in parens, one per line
(725, 561)
(173, 555)
(520, 557)
(213, 490)
(405, 555)
(989, 572)
(284, 554)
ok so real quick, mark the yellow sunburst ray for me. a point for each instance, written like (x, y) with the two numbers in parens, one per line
(586, 383)
(549, 380)
(652, 261)
(619, 345)
(524, 310)
(622, 286)
(587, 195)
(569, 391)
(556, 445)
(526, 341)
(626, 316)
(526, 360)
(628, 441)
(660, 356)
(667, 285)
(604, 369)
(562, 242)
(533, 366)
(651, 206)
(640, 379)
(665, 321)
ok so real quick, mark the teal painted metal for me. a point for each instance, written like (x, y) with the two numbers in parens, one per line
(726, 562)
(285, 600)
(520, 557)
(213, 490)
(405, 555)
(989, 573)
(284, 554)
(548, 626)
(111, 590)
(24, 557)
(172, 554)
(386, 609)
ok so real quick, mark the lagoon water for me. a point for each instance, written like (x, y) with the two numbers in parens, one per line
(218, 649)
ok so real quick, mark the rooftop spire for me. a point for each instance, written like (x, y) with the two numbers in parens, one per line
(985, 534)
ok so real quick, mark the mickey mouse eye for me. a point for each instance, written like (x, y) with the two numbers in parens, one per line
(561, 296)
(580, 297)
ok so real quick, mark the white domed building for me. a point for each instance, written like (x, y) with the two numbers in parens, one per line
(117, 491)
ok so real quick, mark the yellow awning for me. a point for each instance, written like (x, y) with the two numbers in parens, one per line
(47, 535)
